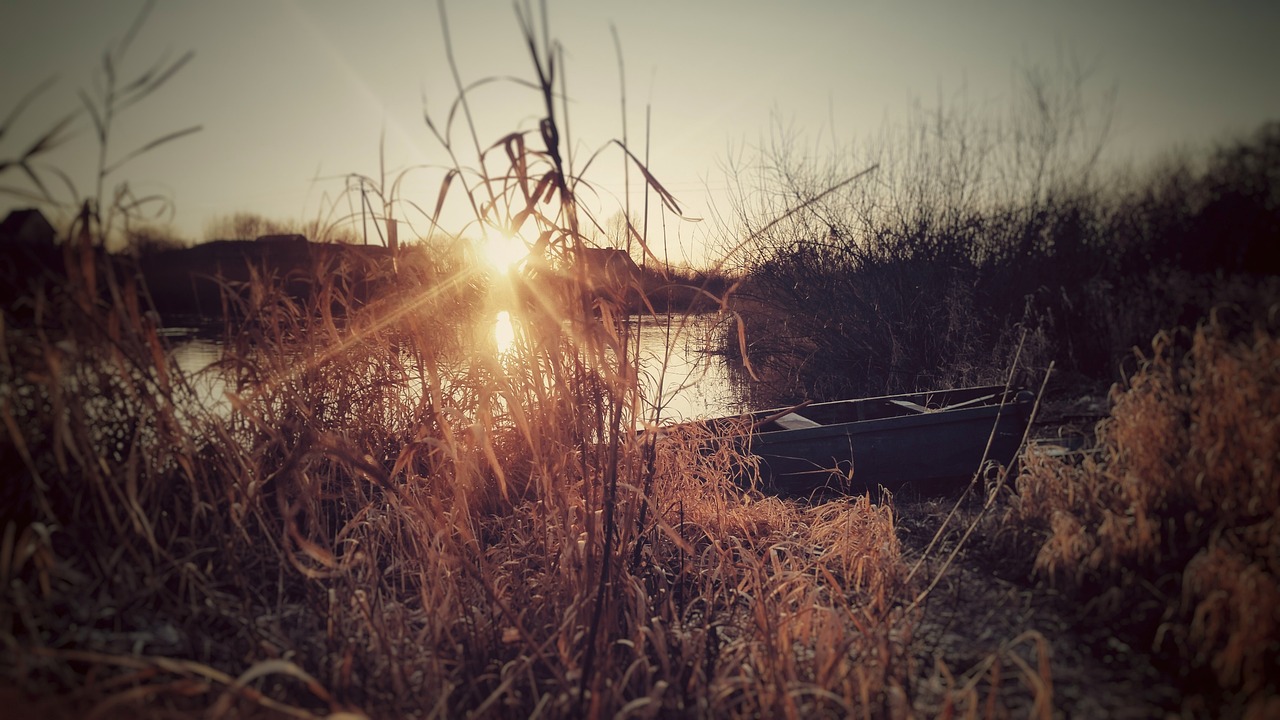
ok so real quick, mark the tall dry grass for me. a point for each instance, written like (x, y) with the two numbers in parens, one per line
(378, 525)
(1172, 528)
(389, 517)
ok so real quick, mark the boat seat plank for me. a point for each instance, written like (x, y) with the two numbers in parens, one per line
(796, 421)
(910, 405)
(974, 401)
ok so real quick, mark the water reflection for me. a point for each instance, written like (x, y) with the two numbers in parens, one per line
(680, 376)
(195, 358)
(504, 333)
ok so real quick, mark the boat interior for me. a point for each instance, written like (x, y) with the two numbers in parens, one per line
(811, 415)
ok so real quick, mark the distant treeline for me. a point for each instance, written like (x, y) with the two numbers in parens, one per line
(210, 282)
(186, 285)
(191, 281)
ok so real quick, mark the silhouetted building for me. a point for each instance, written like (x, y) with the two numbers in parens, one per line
(610, 272)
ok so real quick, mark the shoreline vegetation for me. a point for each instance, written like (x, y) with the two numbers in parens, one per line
(393, 518)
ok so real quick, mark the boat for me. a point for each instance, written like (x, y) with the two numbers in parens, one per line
(922, 440)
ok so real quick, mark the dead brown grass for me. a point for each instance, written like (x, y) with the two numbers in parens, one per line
(374, 523)
(1173, 525)
(388, 517)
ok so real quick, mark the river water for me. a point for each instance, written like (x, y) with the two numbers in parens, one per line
(678, 372)
(697, 383)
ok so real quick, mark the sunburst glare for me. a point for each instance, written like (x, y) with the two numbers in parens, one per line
(504, 252)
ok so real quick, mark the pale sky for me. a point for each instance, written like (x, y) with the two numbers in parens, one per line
(293, 94)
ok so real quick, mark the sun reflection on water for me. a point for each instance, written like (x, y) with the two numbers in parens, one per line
(504, 333)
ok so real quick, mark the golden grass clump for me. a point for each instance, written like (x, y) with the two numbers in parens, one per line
(1175, 520)
(802, 599)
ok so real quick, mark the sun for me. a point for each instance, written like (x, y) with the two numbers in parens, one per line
(504, 252)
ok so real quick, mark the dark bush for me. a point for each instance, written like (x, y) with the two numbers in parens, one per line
(919, 298)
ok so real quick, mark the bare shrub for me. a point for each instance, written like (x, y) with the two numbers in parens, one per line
(925, 272)
(974, 228)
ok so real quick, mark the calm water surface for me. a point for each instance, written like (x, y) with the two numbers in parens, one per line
(676, 366)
